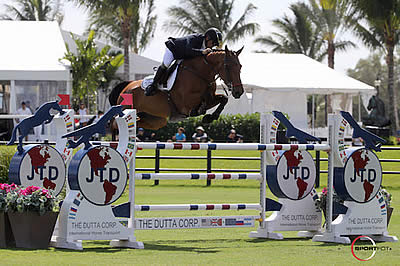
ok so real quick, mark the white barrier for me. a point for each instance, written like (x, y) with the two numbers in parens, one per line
(290, 214)
(368, 216)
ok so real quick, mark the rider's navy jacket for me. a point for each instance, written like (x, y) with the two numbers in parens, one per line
(186, 47)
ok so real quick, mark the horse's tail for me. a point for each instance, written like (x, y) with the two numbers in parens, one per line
(116, 91)
(13, 136)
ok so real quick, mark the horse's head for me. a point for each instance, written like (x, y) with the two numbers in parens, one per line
(54, 105)
(117, 110)
(371, 103)
(231, 73)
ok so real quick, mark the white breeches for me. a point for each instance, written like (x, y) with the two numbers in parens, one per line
(168, 57)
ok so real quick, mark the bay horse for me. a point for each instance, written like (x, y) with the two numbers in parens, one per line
(192, 94)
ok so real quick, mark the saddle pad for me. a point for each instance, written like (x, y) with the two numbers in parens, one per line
(171, 81)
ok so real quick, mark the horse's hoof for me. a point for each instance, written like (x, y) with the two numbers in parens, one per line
(208, 119)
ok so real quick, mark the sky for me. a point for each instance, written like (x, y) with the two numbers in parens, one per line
(75, 20)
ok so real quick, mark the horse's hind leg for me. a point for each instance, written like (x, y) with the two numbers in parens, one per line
(151, 122)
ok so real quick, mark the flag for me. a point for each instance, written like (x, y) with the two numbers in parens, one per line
(127, 99)
(63, 99)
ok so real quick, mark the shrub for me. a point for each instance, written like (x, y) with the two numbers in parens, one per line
(247, 125)
(6, 153)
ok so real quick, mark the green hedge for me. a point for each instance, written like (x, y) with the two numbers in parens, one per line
(247, 125)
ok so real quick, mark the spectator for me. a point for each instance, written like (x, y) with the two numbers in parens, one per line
(151, 137)
(140, 135)
(180, 136)
(233, 137)
(23, 111)
(357, 142)
(76, 120)
(28, 105)
(82, 112)
(94, 120)
(200, 135)
(97, 117)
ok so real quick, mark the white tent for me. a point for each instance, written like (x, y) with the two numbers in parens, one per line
(283, 82)
(30, 61)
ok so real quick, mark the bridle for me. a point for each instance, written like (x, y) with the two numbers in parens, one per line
(228, 63)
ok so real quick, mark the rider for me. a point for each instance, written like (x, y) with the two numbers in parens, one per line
(184, 48)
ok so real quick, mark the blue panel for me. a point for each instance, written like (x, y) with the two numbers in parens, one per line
(339, 185)
(272, 181)
(15, 164)
(195, 176)
(262, 147)
(242, 176)
(146, 176)
(160, 146)
(145, 208)
(339, 208)
(272, 205)
(194, 207)
(241, 206)
(310, 147)
(73, 169)
(212, 146)
(122, 210)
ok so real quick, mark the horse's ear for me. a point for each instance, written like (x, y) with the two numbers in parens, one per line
(239, 51)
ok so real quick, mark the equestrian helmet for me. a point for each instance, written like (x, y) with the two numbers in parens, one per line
(215, 35)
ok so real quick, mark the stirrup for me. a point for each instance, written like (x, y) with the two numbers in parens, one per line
(150, 90)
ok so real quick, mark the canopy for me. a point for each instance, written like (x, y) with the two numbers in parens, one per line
(31, 50)
(296, 72)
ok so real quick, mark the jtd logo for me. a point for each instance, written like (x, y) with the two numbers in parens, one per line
(51, 173)
(370, 175)
(112, 173)
(304, 171)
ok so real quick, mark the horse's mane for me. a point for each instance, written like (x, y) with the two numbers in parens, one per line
(215, 54)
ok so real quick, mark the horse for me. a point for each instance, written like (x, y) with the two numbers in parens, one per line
(87, 132)
(377, 116)
(41, 115)
(192, 94)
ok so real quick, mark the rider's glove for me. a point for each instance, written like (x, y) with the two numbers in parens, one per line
(207, 51)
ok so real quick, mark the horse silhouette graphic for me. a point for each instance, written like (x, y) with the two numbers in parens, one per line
(371, 141)
(301, 136)
(87, 132)
(42, 115)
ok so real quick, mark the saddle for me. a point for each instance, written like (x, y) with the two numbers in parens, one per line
(167, 81)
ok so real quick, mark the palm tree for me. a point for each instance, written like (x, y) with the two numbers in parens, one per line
(124, 12)
(199, 15)
(40, 10)
(91, 69)
(332, 16)
(297, 35)
(142, 29)
(382, 31)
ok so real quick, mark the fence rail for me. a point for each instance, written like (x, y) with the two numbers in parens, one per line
(209, 158)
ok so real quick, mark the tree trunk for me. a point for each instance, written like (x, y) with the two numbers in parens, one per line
(394, 117)
(331, 54)
(331, 64)
(127, 36)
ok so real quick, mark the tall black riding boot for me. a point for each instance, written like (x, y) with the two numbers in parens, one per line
(152, 88)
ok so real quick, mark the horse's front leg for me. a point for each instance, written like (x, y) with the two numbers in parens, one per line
(220, 100)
